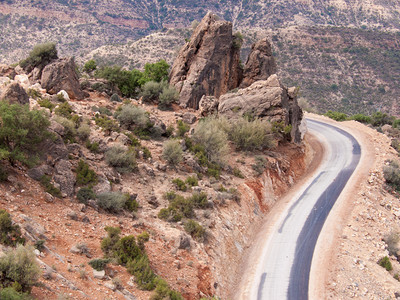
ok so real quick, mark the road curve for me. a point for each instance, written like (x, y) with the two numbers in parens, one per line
(284, 269)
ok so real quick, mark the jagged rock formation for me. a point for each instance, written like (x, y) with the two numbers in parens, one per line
(260, 63)
(265, 99)
(15, 93)
(208, 64)
(61, 75)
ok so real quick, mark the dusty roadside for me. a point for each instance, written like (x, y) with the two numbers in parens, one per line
(242, 285)
(350, 244)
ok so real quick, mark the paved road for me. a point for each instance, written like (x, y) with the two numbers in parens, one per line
(285, 268)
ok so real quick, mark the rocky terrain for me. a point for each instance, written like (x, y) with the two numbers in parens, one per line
(226, 198)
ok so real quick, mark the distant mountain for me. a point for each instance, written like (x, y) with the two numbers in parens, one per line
(344, 54)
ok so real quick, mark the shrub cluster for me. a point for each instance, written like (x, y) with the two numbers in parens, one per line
(195, 230)
(107, 124)
(251, 135)
(10, 235)
(123, 161)
(131, 116)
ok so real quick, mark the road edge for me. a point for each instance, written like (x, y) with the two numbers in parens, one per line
(336, 221)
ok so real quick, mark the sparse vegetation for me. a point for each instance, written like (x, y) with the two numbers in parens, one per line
(10, 235)
(195, 230)
(113, 202)
(182, 128)
(172, 152)
(122, 160)
(85, 194)
(49, 187)
(180, 184)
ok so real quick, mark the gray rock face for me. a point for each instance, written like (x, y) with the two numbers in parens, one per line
(183, 242)
(15, 93)
(38, 172)
(61, 75)
(260, 63)
(65, 177)
(265, 99)
(208, 64)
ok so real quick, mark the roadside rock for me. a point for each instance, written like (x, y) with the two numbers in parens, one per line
(61, 75)
(260, 63)
(15, 93)
(264, 99)
(208, 64)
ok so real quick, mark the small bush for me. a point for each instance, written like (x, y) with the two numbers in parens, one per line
(163, 291)
(391, 174)
(46, 103)
(130, 115)
(146, 153)
(109, 242)
(379, 119)
(251, 135)
(213, 140)
(19, 267)
(361, 118)
(180, 184)
(40, 56)
(90, 66)
(3, 173)
(107, 124)
(10, 235)
(115, 98)
(69, 127)
(64, 110)
(192, 181)
(123, 161)
(385, 263)
(85, 194)
(199, 200)
(172, 152)
(151, 90)
(142, 238)
(237, 173)
(195, 230)
(85, 175)
(99, 264)
(126, 250)
(39, 245)
(113, 202)
(182, 127)
(144, 275)
(11, 294)
(83, 132)
(49, 187)
(93, 147)
(260, 163)
(335, 115)
(392, 241)
(168, 96)
(178, 208)
(131, 204)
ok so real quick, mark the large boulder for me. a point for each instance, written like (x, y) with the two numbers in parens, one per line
(15, 93)
(61, 75)
(208, 64)
(265, 99)
(260, 63)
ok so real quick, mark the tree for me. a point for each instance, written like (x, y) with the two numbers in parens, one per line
(157, 71)
(90, 66)
(21, 131)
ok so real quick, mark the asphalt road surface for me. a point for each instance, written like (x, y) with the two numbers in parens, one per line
(285, 268)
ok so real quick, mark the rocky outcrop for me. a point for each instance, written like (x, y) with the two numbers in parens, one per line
(208, 64)
(265, 99)
(15, 93)
(8, 71)
(260, 63)
(208, 105)
(65, 177)
(61, 75)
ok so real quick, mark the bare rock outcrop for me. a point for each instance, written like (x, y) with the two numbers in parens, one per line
(265, 99)
(8, 71)
(260, 63)
(15, 93)
(61, 75)
(208, 105)
(208, 64)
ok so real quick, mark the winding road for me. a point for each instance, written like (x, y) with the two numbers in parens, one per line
(284, 269)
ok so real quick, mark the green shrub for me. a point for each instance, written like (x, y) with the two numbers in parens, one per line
(171, 195)
(260, 163)
(123, 161)
(142, 238)
(199, 200)
(99, 264)
(85, 194)
(146, 153)
(172, 152)
(40, 56)
(335, 115)
(69, 128)
(21, 132)
(19, 267)
(131, 204)
(235, 194)
(169, 131)
(251, 135)
(85, 175)
(83, 131)
(90, 66)
(156, 71)
(126, 250)
(385, 263)
(237, 173)
(214, 170)
(113, 202)
(163, 292)
(107, 124)
(361, 118)
(168, 96)
(178, 208)
(64, 110)
(192, 181)
(39, 245)
(151, 90)
(10, 235)
(391, 173)
(182, 127)
(11, 294)
(213, 139)
(392, 241)
(93, 147)
(115, 98)
(195, 230)
(46, 103)
(237, 40)
(3, 172)
(49, 187)
(109, 242)
(180, 184)
(130, 115)
(379, 119)
(144, 275)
